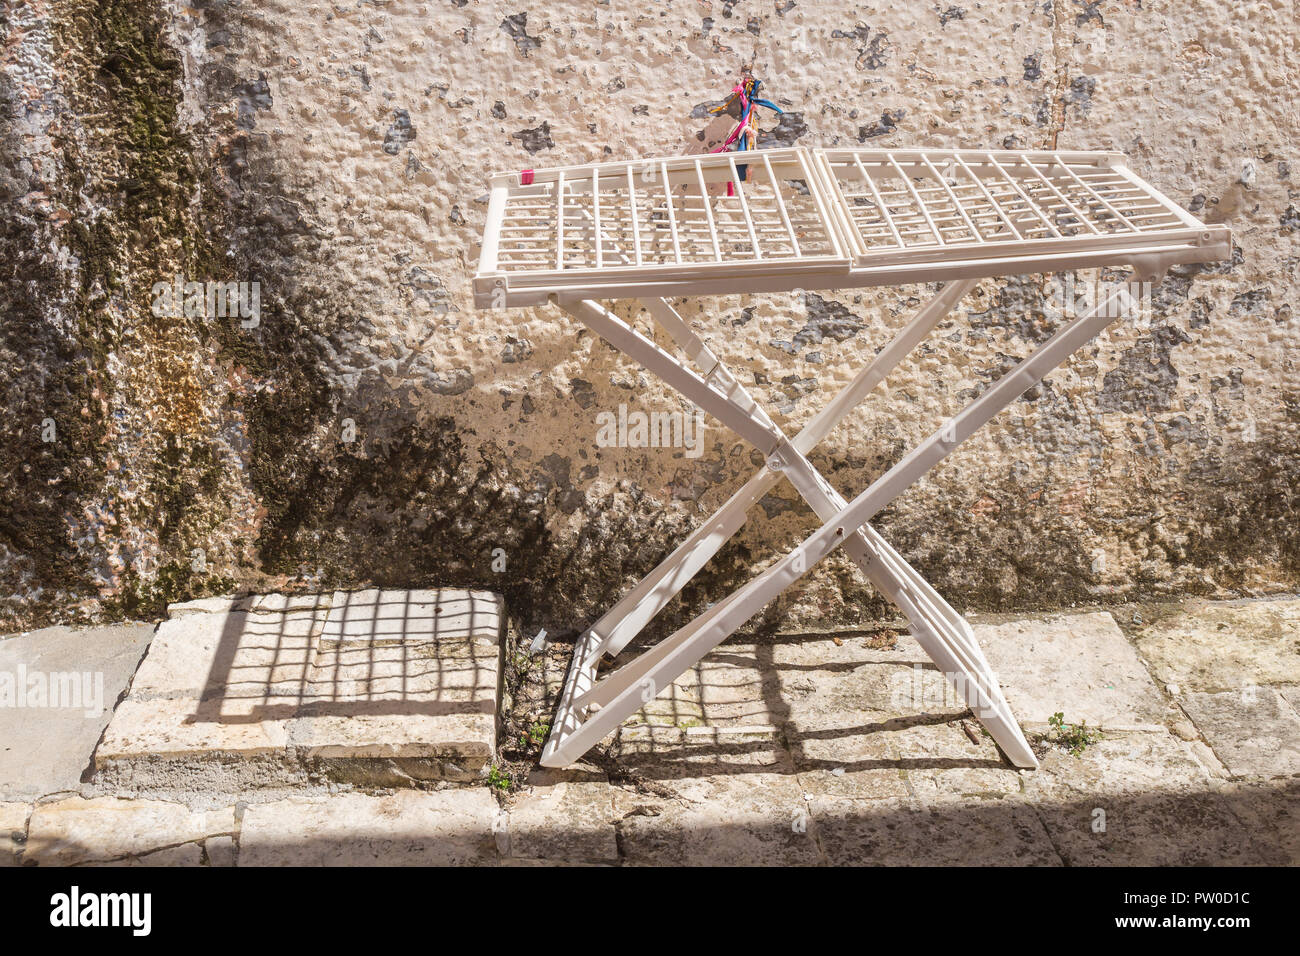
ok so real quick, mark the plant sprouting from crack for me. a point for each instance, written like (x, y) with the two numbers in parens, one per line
(535, 735)
(1073, 737)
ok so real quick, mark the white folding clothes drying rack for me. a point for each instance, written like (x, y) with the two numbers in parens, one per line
(785, 219)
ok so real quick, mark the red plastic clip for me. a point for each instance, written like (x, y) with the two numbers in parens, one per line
(526, 177)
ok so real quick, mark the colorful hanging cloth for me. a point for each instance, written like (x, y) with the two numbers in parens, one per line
(745, 135)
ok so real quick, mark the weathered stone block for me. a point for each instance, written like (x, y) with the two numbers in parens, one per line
(409, 680)
(76, 676)
(1077, 664)
(407, 828)
(563, 816)
(734, 802)
(1224, 645)
(375, 616)
(77, 830)
(1255, 732)
(901, 832)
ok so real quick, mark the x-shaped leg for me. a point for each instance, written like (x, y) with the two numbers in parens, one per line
(940, 630)
(591, 709)
(626, 619)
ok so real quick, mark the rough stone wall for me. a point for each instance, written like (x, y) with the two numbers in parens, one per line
(373, 428)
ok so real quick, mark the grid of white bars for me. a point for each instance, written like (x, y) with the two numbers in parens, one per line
(778, 217)
(964, 199)
(667, 211)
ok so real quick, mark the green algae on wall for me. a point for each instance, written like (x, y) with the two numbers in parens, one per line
(111, 510)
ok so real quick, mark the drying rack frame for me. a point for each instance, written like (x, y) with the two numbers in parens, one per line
(800, 219)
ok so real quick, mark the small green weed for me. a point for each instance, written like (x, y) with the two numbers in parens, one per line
(1073, 737)
(535, 735)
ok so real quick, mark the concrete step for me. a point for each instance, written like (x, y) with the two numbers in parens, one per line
(375, 688)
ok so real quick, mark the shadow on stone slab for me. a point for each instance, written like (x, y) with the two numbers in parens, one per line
(1203, 828)
(903, 832)
(377, 688)
(739, 821)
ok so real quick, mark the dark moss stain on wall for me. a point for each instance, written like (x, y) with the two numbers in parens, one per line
(141, 170)
(1243, 501)
(125, 177)
(48, 374)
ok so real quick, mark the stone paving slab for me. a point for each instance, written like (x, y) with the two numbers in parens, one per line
(373, 617)
(311, 680)
(943, 763)
(737, 829)
(1211, 646)
(565, 816)
(864, 718)
(696, 756)
(77, 830)
(849, 755)
(13, 831)
(841, 675)
(1139, 799)
(244, 656)
(252, 602)
(406, 828)
(1270, 812)
(220, 851)
(735, 802)
(903, 832)
(169, 729)
(47, 748)
(850, 702)
(527, 862)
(861, 752)
(1077, 664)
(209, 605)
(190, 854)
(1119, 764)
(732, 686)
(1155, 828)
(463, 739)
(1255, 732)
